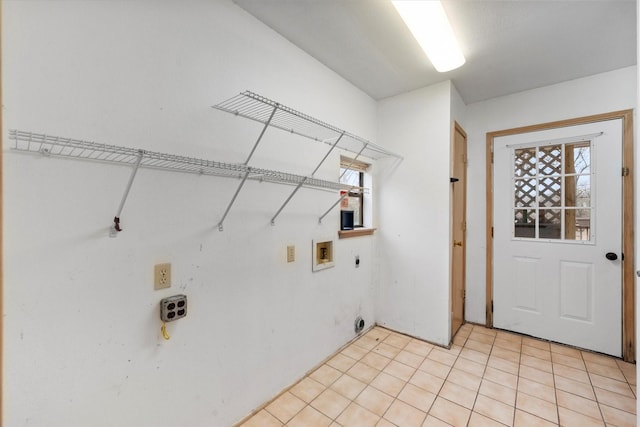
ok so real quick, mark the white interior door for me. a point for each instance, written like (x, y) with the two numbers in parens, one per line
(557, 227)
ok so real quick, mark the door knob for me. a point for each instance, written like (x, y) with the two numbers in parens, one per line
(457, 243)
(611, 256)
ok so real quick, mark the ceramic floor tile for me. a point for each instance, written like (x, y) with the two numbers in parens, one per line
(450, 412)
(571, 418)
(574, 387)
(396, 340)
(568, 361)
(432, 421)
(599, 359)
(469, 366)
(309, 417)
(366, 343)
(578, 404)
(417, 397)
(285, 407)
(307, 389)
(504, 365)
(409, 358)
(378, 333)
(478, 420)
(505, 354)
(571, 373)
(507, 344)
(493, 409)
(326, 375)
(606, 371)
(443, 357)
(617, 417)
(537, 389)
(330, 403)
(433, 367)
(386, 350)
(487, 378)
(536, 375)
(525, 419)
(262, 419)
(458, 394)
(348, 386)
(533, 342)
(405, 415)
(482, 337)
(420, 348)
(474, 355)
(564, 350)
(357, 416)
(501, 377)
(399, 370)
(498, 392)
(427, 382)
(478, 346)
(616, 400)
(374, 400)
(629, 371)
(620, 387)
(385, 423)
(375, 361)
(538, 407)
(341, 362)
(465, 379)
(536, 352)
(534, 362)
(388, 384)
(355, 352)
(363, 372)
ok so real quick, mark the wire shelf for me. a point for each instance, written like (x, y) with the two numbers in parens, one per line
(260, 109)
(48, 145)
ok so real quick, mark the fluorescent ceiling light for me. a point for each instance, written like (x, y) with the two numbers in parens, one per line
(429, 24)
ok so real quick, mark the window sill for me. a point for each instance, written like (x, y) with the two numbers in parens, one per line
(357, 232)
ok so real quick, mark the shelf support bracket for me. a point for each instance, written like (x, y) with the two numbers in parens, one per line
(115, 228)
(342, 197)
(248, 171)
(286, 202)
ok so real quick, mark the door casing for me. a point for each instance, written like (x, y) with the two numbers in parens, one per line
(458, 227)
(628, 280)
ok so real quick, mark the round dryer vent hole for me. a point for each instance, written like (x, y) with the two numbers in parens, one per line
(359, 324)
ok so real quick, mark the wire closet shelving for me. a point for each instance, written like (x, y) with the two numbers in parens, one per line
(248, 105)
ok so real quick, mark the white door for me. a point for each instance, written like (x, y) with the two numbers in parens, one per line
(557, 229)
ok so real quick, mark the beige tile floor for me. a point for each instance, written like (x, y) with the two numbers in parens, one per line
(487, 378)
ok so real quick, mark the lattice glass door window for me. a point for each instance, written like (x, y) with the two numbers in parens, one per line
(552, 192)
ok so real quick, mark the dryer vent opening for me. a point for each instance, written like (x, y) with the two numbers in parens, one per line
(359, 324)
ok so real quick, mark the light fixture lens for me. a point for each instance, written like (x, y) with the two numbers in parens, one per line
(428, 23)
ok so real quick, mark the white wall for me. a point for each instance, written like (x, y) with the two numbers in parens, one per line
(612, 91)
(413, 287)
(82, 331)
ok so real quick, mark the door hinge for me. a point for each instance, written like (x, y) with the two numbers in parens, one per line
(492, 157)
(625, 171)
(492, 306)
(464, 226)
(492, 232)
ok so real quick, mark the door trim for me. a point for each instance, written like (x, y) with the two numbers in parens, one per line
(628, 279)
(455, 127)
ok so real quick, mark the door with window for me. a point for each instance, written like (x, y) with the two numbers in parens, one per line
(558, 235)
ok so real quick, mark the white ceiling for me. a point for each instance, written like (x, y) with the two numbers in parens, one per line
(510, 45)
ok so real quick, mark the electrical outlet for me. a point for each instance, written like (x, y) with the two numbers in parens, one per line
(173, 308)
(291, 253)
(162, 276)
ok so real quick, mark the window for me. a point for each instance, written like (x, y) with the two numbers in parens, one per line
(552, 192)
(352, 172)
